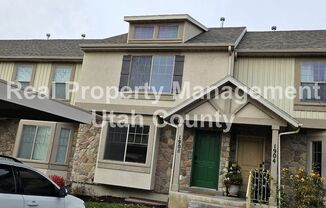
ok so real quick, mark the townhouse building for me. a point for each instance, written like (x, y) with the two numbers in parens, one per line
(172, 71)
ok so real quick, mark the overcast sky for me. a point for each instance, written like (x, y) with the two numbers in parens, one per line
(28, 19)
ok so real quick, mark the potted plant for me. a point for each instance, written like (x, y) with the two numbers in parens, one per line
(233, 179)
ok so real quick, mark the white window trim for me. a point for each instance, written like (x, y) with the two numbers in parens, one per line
(155, 38)
(52, 82)
(53, 141)
(33, 66)
(168, 25)
(151, 71)
(128, 166)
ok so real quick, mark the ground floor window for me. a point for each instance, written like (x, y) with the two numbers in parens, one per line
(34, 142)
(316, 157)
(127, 144)
(37, 140)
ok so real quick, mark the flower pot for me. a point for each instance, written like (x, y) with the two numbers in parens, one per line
(233, 190)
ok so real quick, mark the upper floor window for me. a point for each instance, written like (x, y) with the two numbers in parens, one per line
(313, 75)
(62, 75)
(127, 144)
(24, 74)
(144, 32)
(168, 31)
(154, 72)
(159, 73)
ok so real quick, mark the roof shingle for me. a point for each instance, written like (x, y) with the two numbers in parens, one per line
(284, 40)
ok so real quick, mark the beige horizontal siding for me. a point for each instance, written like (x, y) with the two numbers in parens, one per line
(262, 72)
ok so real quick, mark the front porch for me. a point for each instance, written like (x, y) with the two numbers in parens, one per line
(205, 146)
(204, 159)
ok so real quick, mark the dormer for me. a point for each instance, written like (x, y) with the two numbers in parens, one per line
(176, 28)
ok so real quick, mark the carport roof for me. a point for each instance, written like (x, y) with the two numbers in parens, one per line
(14, 104)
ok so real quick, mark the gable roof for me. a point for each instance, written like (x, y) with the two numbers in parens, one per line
(304, 40)
(228, 79)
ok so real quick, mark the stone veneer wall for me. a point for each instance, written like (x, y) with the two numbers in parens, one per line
(72, 153)
(85, 154)
(164, 159)
(8, 130)
(294, 151)
(186, 158)
(224, 160)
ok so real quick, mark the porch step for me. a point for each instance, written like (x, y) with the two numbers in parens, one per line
(221, 203)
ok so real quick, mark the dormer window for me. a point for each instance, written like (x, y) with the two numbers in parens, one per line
(144, 32)
(175, 28)
(168, 31)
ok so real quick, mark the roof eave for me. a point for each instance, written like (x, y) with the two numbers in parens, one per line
(281, 52)
(155, 47)
(77, 59)
(170, 17)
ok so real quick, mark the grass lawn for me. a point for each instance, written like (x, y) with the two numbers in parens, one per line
(109, 205)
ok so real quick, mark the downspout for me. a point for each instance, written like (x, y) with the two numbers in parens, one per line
(230, 71)
(279, 159)
(174, 152)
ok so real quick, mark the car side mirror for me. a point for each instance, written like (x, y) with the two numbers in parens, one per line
(62, 192)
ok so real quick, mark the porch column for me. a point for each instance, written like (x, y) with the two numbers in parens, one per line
(177, 159)
(274, 162)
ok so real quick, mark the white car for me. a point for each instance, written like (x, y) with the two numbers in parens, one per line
(22, 186)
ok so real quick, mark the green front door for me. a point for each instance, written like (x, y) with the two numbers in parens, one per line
(206, 160)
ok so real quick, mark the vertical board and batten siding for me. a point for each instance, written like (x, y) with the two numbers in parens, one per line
(262, 72)
(76, 79)
(42, 76)
(6, 70)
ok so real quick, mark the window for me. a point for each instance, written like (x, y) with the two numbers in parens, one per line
(24, 74)
(144, 32)
(316, 156)
(60, 86)
(127, 144)
(168, 31)
(34, 143)
(7, 180)
(155, 72)
(35, 184)
(64, 138)
(313, 73)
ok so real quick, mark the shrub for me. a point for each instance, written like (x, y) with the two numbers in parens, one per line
(58, 180)
(302, 189)
(233, 176)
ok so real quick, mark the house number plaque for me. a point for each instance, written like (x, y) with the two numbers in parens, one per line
(179, 144)
(274, 153)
